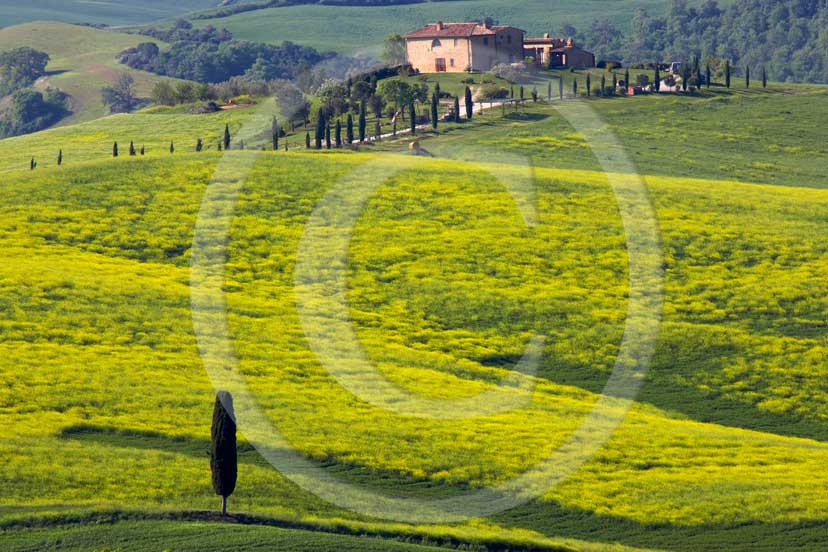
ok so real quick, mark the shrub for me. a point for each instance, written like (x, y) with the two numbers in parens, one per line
(513, 73)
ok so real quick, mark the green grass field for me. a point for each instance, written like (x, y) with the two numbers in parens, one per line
(348, 29)
(109, 12)
(105, 404)
(83, 61)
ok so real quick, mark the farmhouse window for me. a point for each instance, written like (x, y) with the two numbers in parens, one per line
(436, 43)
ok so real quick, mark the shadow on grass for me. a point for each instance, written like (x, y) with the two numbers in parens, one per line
(554, 519)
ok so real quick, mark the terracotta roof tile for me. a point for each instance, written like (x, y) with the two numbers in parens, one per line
(456, 30)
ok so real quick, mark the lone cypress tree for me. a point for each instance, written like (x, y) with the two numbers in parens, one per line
(199, 145)
(223, 456)
(589, 84)
(349, 131)
(457, 109)
(764, 77)
(142, 150)
(413, 113)
(115, 149)
(320, 129)
(657, 78)
(60, 158)
(307, 140)
(227, 137)
(747, 76)
(363, 122)
(727, 73)
(470, 103)
(434, 111)
(708, 75)
(172, 147)
(32, 164)
(338, 135)
(274, 133)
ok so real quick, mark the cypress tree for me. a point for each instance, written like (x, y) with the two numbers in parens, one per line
(708, 75)
(413, 114)
(60, 158)
(338, 133)
(589, 84)
(698, 75)
(549, 91)
(522, 93)
(327, 135)
(223, 454)
(307, 140)
(434, 111)
(470, 103)
(747, 76)
(512, 91)
(627, 78)
(274, 133)
(560, 86)
(131, 149)
(115, 149)
(363, 123)
(437, 89)
(227, 137)
(615, 81)
(320, 129)
(534, 94)
(575, 87)
(32, 164)
(456, 109)
(764, 77)
(377, 130)
(727, 73)
(172, 147)
(142, 150)
(657, 78)
(199, 145)
(603, 84)
(350, 129)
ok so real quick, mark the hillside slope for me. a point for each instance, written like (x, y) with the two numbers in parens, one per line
(83, 61)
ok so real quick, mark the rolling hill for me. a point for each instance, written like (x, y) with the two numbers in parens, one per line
(83, 61)
(105, 403)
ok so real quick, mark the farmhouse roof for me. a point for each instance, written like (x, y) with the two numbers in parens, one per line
(458, 30)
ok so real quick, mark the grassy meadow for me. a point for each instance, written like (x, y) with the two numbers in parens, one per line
(83, 61)
(363, 29)
(110, 12)
(105, 403)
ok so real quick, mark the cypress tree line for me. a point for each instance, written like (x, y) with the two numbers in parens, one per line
(227, 137)
(747, 76)
(60, 158)
(307, 140)
(434, 111)
(727, 73)
(115, 149)
(413, 114)
(456, 109)
(589, 84)
(320, 129)
(223, 455)
(363, 123)
(470, 103)
(131, 149)
(764, 77)
(172, 147)
(274, 133)
(349, 134)
(199, 145)
(338, 135)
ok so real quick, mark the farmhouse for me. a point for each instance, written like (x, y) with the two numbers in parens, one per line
(557, 52)
(457, 47)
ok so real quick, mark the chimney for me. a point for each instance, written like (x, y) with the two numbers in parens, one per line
(439, 25)
(487, 23)
(546, 35)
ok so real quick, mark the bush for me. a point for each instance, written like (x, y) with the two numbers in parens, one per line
(610, 65)
(493, 92)
(518, 73)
